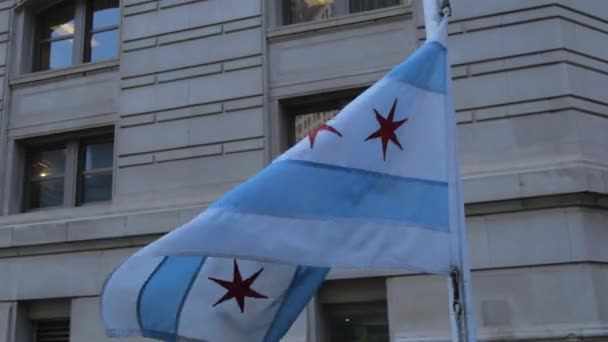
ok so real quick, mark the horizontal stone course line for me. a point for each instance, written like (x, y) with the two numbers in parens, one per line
(189, 112)
(135, 160)
(550, 52)
(189, 34)
(130, 3)
(501, 65)
(140, 9)
(189, 152)
(135, 82)
(205, 108)
(242, 24)
(137, 120)
(141, 44)
(190, 72)
(215, 28)
(233, 64)
(244, 145)
(460, 27)
(533, 107)
(175, 3)
(533, 11)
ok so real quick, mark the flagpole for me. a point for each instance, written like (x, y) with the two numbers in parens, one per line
(460, 295)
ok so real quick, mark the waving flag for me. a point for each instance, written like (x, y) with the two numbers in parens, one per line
(373, 187)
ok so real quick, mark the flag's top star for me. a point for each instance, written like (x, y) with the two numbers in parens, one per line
(238, 288)
(313, 134)
(387, 129)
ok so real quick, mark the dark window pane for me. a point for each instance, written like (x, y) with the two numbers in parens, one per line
(50, 163)
(364, 322)
(369, 5)
(97, 156)
(97, 188)
(57, 21)
(57, 54)
(103, 45)
(104, 13)
(46, 193)
(309, 10)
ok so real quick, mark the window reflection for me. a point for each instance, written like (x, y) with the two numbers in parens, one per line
(46, 175)
(357, 322)
(370, 5)
(104, 45)
(105, 13)
(58, 21)
(56, 54)
(102, 33)
(299, 11)
(310, 10)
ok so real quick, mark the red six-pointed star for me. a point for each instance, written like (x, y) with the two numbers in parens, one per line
(313, 134)
(238, 288)
(387, 129)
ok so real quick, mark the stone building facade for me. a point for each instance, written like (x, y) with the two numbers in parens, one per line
(120, 121)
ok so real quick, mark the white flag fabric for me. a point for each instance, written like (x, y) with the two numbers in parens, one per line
(375, 187)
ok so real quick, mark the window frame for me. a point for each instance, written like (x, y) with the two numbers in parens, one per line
(83, 28)
(350, 293)
(73, 176)
(341, 9)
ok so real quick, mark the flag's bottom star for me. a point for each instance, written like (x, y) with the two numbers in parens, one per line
(238, 288)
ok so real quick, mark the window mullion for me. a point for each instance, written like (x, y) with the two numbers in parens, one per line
(79, 31)
(71, 174)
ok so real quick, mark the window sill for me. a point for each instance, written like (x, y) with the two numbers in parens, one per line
(81, 70)
(336, 22)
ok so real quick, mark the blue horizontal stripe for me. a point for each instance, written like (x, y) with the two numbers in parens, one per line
(303, 286)
(425, 68)
(162, 297)
(302, 189)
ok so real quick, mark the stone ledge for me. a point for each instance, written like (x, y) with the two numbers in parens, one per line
(537, 106)
(534, 181)
(133, 225)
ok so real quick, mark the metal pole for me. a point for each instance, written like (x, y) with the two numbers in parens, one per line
(431, 16)
(461, 305)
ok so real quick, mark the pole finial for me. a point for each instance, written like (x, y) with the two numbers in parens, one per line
(445, 9)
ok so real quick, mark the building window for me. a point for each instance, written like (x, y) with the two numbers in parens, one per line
(298, 11)
(45, 320)
(354, 310)
(76, 31)
(309, 112)
(69, 171)
(51, 330)
(356, 322)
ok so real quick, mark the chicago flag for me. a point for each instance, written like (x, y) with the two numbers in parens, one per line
(374, 187)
